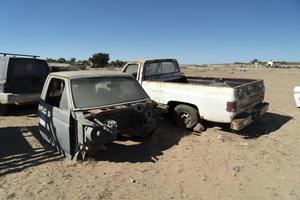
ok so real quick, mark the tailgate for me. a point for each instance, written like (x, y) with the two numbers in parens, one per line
(249, 95)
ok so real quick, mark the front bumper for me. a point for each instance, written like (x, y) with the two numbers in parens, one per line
(240, 123)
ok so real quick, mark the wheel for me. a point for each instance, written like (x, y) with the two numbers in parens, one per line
(185, 116)
(3, 109)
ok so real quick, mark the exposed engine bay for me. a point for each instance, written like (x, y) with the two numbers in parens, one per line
(133, 120)
(104, 125)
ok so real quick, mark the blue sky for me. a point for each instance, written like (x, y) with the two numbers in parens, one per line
(203, 31)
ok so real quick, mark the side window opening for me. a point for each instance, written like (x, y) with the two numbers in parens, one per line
(64, 101)
(56, 95)
(132, 69)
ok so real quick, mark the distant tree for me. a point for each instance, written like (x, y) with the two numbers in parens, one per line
(72, 61)
(254, 61)
(283, 62)
(84, 62)
(61, 60)
(99, 59)
(118, 63)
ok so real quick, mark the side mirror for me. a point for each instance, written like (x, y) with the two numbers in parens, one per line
(134, 74)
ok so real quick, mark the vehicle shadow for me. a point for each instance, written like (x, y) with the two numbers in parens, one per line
(22, 110)
(17, 153)
(268, 123)
(164, 138)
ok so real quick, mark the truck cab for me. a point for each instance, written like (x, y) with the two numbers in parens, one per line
(157, 69)
(80, 111)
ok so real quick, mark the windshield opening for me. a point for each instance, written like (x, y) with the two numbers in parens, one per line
(103, 91)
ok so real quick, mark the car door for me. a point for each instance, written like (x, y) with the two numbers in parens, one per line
(151, 83)
(54, 116)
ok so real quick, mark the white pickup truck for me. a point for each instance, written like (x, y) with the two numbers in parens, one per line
(191, 100)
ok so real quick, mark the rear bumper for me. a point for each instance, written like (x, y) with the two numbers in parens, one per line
(240, 123)
(9, 98)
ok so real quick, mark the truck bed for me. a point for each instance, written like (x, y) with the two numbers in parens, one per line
(213, 81)
(248, 92)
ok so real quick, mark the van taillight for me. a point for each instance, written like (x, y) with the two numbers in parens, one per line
(231, 106)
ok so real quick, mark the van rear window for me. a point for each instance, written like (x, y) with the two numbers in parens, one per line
(24, 67)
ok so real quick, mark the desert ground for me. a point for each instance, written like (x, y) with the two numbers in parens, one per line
(260, 162)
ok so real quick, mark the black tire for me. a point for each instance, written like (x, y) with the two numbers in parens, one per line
(185, 116)
(3, 109)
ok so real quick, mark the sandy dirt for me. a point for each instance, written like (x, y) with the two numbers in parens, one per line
(259, 162)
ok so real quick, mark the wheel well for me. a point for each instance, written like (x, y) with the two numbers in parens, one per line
(173, 104)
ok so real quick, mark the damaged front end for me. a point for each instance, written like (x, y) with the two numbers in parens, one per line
(97, 127)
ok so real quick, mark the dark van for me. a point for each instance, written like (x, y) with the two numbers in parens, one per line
(21, 79)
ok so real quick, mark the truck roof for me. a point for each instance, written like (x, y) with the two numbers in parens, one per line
(153, 60)
(91, 73)
(19, 55)
(14, 57)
